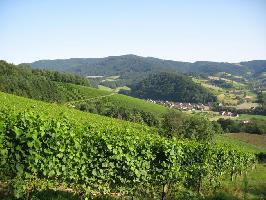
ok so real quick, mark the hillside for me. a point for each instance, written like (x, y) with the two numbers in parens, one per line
(38, 84)
(65, 149)
(132, 66)
(171, 87)
(51, 110)
(60, 87)
(256, 66)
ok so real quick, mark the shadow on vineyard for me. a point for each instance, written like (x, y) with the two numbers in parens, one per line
(258, 191)
(59, 195)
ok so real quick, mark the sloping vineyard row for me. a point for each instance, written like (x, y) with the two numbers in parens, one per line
(40, 152)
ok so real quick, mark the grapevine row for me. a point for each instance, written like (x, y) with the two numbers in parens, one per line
(36, 152)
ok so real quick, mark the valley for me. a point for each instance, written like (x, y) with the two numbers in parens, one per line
(159, 115)
(132, 100)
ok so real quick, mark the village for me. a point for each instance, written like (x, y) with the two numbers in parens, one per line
(190, 107)
(180, 105)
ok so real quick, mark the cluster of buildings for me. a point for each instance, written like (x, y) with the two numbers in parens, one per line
(229, 114)
(180, 106)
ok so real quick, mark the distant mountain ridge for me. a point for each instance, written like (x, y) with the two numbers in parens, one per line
(133, 66)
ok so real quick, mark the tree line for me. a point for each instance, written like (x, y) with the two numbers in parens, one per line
(254, 126)
(37, 84)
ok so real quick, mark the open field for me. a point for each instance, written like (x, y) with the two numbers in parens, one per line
(222, 94)
(230, 96)
(258, 140)
(246, 105)
(101, 87)
(233, 140)
(247, 116)
(250, 187)
(249, 142)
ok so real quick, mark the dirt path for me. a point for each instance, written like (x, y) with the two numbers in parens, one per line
(81, 100)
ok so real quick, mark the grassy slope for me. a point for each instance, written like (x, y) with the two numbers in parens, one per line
(20, 104)
(79, 93)
(221, 94)
(76, 93)
(131, 102)
(227, 95)
(248, 142)
(101, 87)
(255, 187)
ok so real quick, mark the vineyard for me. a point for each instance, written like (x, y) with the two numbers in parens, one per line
(72, 92)
(92, 155)
(81, 94)
(63, 88)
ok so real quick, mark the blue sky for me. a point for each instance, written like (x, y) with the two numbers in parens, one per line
(184, 30)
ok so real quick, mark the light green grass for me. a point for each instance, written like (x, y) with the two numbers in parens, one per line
(228, 96)
(246, 105)
(101, 87)
(227, 139)
(221, 93)
(247, 116)
(122, 88)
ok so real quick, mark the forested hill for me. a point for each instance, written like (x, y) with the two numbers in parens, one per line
(171, 87)
(137, 66)
(37, 84)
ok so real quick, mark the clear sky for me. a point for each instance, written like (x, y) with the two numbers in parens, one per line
(183, 30)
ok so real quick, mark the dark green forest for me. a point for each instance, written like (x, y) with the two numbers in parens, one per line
(254, 126)
(37, 84)
(171, 87)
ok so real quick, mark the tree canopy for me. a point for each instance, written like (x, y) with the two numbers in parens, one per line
(171, 87)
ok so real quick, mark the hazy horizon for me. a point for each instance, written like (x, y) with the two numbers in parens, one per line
(188, 31)
(139, 56)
